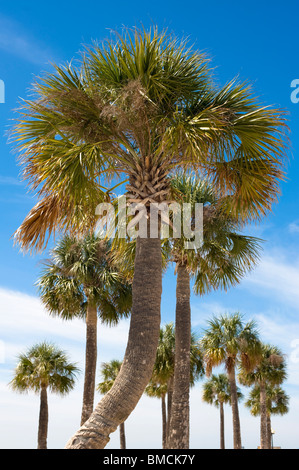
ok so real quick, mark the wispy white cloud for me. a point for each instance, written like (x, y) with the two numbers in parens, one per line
(276, 277)
(15, 40)
(10, 180)
(294, 227)
(23, 321)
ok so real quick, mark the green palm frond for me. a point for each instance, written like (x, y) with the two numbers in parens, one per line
(227, 340)
(81, 271)
(109, 371)
(44, 365)
(144, 100)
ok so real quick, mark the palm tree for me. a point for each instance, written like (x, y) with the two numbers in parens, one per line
(230, 342)
(277, 403)
(216, 391)
(110, 371)
(271, 370)
(44, 367)
(156, 390)
(280, 406)
(80, 281)
(220, 262)
(161, 383)
(139, 108)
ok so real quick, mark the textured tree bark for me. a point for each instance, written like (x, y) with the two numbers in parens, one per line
(137, 367)
(90, 362)
(122, 436)
(179, 421)
(235, 409)
(269, 433)
(164, 421)
(263, 408)
(43, 420)
(222, 443)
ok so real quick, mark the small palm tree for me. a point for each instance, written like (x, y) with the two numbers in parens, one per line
(270, 370)
(110, 371)
(230, 341)
(44, 367)
(221, 261)
(277, 403)
(216, 391)
(80, 281)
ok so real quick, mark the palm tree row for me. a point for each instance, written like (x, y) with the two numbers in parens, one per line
(142, 108)
(241, 348)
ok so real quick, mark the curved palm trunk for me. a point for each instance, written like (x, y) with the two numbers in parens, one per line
(235, 409)
(263, 408)
(269, 433)
(179, 421)
(90, 362)
(137, 367)
(222, 444)
(122, 436)
(164, 421)
(43, 420)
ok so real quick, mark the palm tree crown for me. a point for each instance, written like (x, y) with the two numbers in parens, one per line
(44, 365)
(216, 390)
(270, 369)
(230, 341)
(79, 272)
(141, 106)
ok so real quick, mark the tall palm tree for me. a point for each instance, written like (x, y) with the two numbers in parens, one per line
(216, 391)
(139, 107)
(81, 281)
(110, 371)
(161, 383)
(220, 262)
(277, 403)
(44, 367)
(271, 370)
(229, 341)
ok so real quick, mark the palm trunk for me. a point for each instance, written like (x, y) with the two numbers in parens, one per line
(263, 408)
(43, 420)
(90, 362)
(164, 421)
(222, 444)
(235, 409)
(122, 436)
(269, 433)
(137, 367)
(179, 421)
(169, 403)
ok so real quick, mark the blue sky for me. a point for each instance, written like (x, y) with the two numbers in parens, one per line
(256, 41)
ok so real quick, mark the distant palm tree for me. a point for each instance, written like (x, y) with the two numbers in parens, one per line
(270, 370)
(157, 390)
(161, 383)
(216, 391)
(277, 403)
(230, 341)
(81, 281)
(44, 367)
(109, 372)
(219, 262)
(140, 106)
